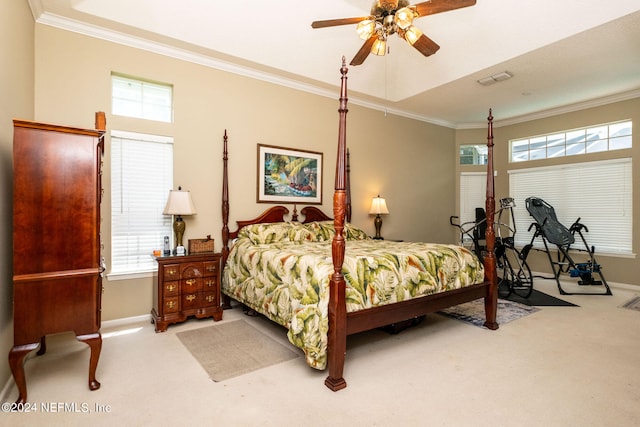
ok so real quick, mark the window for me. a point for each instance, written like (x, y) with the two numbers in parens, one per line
(607, 137)
(141, 99)
(472, 195)
(599, 193)
(141, 177)
(473, 154)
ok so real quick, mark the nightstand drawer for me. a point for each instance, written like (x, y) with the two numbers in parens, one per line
(171, 305)
(171, 271)
(191, 300)
(171, 289)
(209, 299)
(210, 284)
(211, 268)
(191, 285)
(192, 270)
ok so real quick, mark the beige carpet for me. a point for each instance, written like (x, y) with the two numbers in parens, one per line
(235, 348)
(632, 304)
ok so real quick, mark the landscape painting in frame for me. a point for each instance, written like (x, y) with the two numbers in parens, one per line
(288, 175)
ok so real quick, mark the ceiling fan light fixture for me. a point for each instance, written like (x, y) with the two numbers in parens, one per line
(366, 28)
(379, 47)
(388, 24)
(404, 17)
(388, 17)
(412, 34)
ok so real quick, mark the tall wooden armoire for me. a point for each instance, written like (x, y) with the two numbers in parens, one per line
(57, 263)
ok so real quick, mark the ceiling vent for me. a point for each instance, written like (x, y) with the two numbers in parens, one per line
(488, 81)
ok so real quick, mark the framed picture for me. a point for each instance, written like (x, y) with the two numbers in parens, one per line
(287, 175)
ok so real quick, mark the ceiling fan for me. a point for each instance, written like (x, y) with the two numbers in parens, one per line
(394, 17)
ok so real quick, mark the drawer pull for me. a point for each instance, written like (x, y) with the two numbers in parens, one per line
(211, 283)
(170, 304)
(171, 272)
(191, 297)
(190, 282)
(211, 268)
(210, 298)
(171, 288)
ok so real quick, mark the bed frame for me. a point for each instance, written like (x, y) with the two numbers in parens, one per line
(341, 323)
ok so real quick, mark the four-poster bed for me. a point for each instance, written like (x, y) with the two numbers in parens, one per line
(352, 285)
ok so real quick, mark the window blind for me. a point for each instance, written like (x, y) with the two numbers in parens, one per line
(472, 195)
(599, 193)
(141, 177)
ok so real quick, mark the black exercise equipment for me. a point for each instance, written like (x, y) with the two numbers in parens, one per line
(550, 230)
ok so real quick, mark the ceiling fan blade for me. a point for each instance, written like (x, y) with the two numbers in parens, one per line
(335, 22)
(437, 6)
(426, 46)
(364, 51)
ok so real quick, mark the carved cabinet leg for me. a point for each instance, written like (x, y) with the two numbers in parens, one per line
(16, 363)
(95, 343)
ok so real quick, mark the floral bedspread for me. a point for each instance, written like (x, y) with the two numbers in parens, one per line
(284, 274)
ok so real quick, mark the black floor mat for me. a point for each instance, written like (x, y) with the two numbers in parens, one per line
(538, 298)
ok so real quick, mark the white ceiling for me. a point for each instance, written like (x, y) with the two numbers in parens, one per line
(563, 55)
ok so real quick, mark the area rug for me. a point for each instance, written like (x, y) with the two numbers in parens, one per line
(538, 298)
(235, 348)
(473, 312)
(632, 304)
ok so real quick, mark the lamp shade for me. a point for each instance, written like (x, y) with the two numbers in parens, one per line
(366, 28)
(378, 206)
(404, 17)
(412, 34)
(179, 203)
(379, 47)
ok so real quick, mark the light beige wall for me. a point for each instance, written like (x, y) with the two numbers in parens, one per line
(615, 269)
(16, 101)
(408, 162)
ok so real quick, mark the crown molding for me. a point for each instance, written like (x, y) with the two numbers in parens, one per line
(597, 102)
(36, 8)
(75, 26)
(543, 114)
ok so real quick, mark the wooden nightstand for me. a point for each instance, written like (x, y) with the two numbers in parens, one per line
(186, 286)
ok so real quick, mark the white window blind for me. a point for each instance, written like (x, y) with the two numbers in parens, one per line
(599, 193)
(141, 177)
(472, 195)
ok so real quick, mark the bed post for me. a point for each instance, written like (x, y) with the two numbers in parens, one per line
(348, 184)
(490, 273)
(226, 301)
(337, 335)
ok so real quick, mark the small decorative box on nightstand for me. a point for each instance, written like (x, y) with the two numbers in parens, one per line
(186, 286)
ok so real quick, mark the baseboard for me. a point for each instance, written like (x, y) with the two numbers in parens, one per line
(625, 286)
(125, 321)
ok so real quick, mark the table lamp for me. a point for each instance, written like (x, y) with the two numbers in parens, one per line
(378, 207)
(179, 204)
